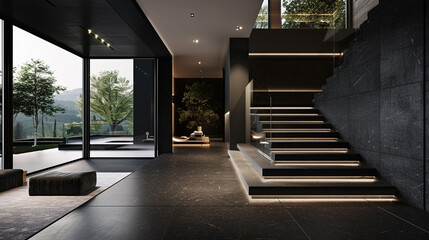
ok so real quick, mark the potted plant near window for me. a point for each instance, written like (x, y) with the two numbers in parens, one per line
(199, 106)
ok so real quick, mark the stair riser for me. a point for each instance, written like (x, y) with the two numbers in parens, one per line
(309, 145)
(304, 135)
(294, 111)
(306, 172)
(315, 157)
(294, 126)
(291, 118)
(323, 191)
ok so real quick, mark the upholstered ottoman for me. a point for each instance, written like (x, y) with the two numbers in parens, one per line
(10, 178)
(62, 183)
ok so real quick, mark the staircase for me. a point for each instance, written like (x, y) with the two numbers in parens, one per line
(295, 153)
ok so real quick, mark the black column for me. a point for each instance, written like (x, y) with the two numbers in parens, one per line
(86, 109)
(7, 125)
(236, 80)
(164, 102)
(143, 99)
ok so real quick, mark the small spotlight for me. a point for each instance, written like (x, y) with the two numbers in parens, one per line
(238, 28)
(108, 45)
(192, 15)
(96, 35)
(102, 40)
(199, 63)
(195, 41)
(89, 31)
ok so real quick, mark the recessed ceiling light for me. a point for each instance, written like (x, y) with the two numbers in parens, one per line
(192, 15)
(195, 41)
(96, 35)
(199, 63)
(89, 31)
(238, 28)
(102, 40)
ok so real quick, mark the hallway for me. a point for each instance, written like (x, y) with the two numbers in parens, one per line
(195, 194)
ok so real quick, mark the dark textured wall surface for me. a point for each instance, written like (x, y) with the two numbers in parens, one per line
(376, 100)
(217, 89)
(236, 79)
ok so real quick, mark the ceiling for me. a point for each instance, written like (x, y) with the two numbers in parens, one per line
(65, 23)
(214, 23)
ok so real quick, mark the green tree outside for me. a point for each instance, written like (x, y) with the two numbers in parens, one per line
(314, 14)
(111, 99)
(33, 92)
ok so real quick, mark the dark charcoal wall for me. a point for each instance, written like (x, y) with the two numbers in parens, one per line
(236, 79)
(376, 97)
(217, 90)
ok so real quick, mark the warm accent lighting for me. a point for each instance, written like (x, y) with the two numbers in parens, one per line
(199, 63)
(192, 14)
(281, 108)
(238, 28)
(296, 54)
(290, 90)
(96, 36)
(195, 41)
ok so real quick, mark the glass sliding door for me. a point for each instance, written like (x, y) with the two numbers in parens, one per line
(121, 104)
(47, 88)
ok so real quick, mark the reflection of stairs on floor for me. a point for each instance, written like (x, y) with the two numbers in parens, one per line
(296, 154)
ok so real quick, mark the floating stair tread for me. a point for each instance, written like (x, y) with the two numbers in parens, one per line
(338, 144)
(291, 118)
(255, 185)
(296, 125)
(277, 111)
(304, 135)
(267, 168)
(284, 156)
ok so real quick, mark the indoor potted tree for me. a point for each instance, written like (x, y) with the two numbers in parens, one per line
(199, 106)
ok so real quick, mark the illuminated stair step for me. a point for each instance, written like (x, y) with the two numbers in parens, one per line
(279, 134)
(310, 145)
(290, 118)
(284, 157)
(256, 186)
(294, 126)
(283, 111)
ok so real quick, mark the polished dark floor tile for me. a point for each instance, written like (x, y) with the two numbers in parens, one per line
(196, 194)
(353, 223)
(232, 223)
(110, 223)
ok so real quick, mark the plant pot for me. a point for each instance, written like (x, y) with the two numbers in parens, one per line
(199, 128)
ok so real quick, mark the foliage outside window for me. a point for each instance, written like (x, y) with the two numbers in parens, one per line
(319, 14)
(111, 103)
(33, 95)
(262, 18)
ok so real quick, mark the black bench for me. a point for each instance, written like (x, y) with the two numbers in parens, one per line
(62, 183)
(10, 178)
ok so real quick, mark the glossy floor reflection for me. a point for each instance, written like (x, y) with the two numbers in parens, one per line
(195, 194)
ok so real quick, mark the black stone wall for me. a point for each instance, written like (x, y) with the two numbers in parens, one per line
(376, 100)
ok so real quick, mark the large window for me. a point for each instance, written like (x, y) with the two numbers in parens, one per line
(303, 14)
(313, 14)
(121, 103)
(262, 18)
(47, 86)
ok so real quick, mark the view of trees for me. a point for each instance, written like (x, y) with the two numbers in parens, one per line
(111, 99)
(262, 18)
(313, 14)
(199, 106)
(33, 94)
